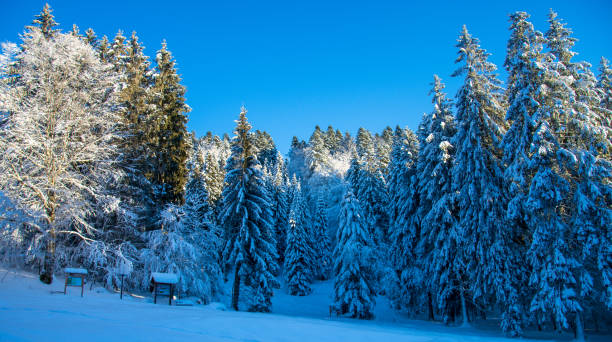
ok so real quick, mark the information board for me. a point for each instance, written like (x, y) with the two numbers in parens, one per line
(163, 289)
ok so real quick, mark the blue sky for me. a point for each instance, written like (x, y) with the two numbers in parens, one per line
(297, 64)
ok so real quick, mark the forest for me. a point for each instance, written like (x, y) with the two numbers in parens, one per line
(499, 205)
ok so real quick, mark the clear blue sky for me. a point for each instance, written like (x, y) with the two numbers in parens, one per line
(297, 64)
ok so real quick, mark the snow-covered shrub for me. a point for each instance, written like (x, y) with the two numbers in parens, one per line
(175, 248)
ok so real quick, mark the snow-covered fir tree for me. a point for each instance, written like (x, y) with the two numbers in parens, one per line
(486, 250)
(354, 292)
(372, 194)
(317, 153)
(404, 232)
(566, 202)
(322, 245)
(298, 253)
(525, 64)
(281, 211)
(435, 210)
(249, 238)
(403, 152)
(604, 82)
(353, 175)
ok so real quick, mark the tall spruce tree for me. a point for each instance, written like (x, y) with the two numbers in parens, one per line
(486, 249)
(354, 292)
(526, 66)
(403, 152)
(135, 109)
(322, 252)
(249, 238)
(298, 253)
(435, 210)
(281, 212)
(170, 171)
(568, 210)
(404, 233)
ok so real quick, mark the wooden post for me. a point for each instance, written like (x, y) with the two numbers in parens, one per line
(65, 284)
(82, 284)
(155, 296)
(121, 296)
(171, 293)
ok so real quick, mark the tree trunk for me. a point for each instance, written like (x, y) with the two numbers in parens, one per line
(430, 306)
(236, 288)
(579, 327)
(49, 261)
(465, 323)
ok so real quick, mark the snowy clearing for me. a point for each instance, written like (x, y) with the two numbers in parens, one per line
(30, 311)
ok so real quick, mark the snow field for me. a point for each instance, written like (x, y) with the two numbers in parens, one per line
(29, 311)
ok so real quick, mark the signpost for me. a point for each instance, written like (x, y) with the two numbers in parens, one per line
(75, 277)
(121, 296)
(124, 269)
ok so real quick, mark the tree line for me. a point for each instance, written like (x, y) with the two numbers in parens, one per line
(499, 204)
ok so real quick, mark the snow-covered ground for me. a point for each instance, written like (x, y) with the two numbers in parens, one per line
(31, 311)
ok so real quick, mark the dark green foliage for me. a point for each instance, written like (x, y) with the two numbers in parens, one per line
(170, 169)
(249, 237)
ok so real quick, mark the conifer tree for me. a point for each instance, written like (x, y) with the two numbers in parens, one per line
(353, 175)
(354, 292)
(383, 149)
(372, 194)
(46, 22)
(249, 237)
(117, 54)
(435, 210)
(332, 140)
(281, 211)
(298, 254)
(365, 148)
(213, 176)
(605, 84)
(485, 246)
(404, 233)
(318, 153)
(403, 153)
(134, 108)
(565, 202)
(322, 253)
(200, 230)
(90, 38)
(103, 50)
(525, 64)
(170, 171)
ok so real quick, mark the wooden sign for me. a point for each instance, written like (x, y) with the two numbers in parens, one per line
(163, 289)
(75, 281)
(163, 285)
(75, 277)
